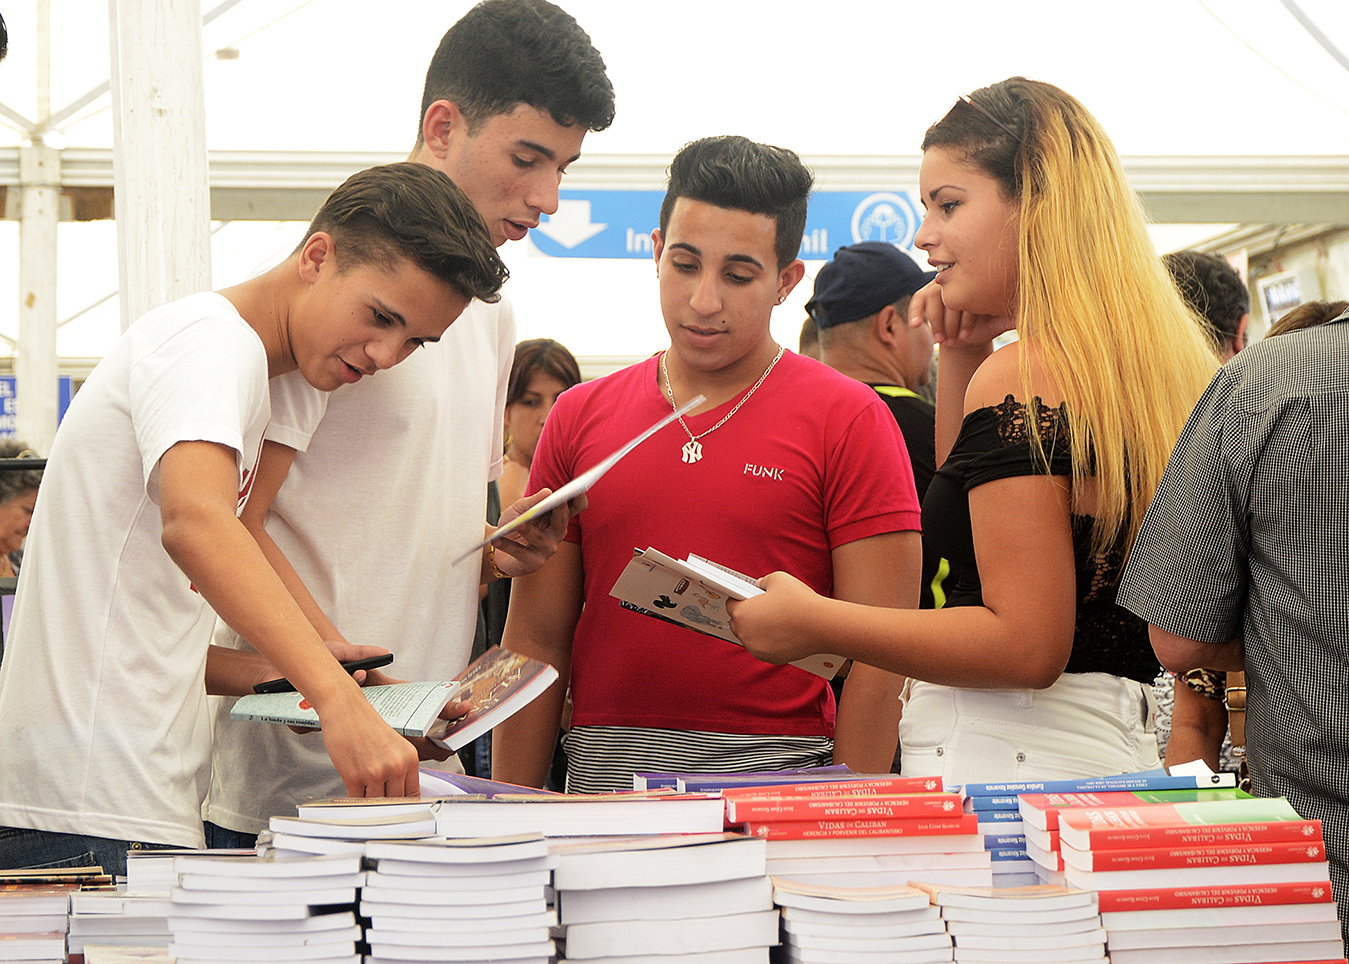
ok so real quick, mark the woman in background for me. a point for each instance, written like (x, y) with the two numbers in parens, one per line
(1049, 448)
(543, 370)
(18, 495)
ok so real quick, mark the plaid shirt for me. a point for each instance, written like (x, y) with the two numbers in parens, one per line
(1248, 536)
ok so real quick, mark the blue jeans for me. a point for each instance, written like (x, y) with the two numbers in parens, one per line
(223, 838)
(45, 849)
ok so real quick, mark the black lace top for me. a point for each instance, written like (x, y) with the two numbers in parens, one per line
(994, 444)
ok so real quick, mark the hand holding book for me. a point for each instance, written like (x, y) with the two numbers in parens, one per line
(576, 487)
(521, 549)
(775, 624)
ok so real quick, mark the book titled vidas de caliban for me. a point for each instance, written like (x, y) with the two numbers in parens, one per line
(497, 684)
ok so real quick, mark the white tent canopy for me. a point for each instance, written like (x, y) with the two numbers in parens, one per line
(1226, 111)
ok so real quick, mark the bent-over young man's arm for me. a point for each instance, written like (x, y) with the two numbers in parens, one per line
(882, 570)
(544, 610)
(199, 485)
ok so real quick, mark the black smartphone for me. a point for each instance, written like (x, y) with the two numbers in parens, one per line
(283, 685)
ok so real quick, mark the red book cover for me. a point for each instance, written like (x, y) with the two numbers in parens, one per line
(1231, 855)
(1151, 827)
(1141, 838)
(1169, 898)
(1041, 810)
(887, 806)
(917, 827)
(871, 786)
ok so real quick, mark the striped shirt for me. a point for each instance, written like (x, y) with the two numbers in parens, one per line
(604, 758)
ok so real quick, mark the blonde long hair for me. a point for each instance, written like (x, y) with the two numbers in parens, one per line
(1094, 303)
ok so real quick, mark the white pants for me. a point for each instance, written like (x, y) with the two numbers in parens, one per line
(1086, 724)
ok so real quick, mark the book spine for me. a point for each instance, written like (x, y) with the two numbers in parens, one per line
(1216, 835)
(1171, 898)
(809, 829)
(1158, 781)
(1230, 856)
(999, 802)
(290, 719)
(742, 809)
(875, 786)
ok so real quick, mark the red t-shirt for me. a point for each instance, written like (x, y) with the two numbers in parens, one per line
(812, 461)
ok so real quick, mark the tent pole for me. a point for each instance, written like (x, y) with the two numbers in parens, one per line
(160, 186)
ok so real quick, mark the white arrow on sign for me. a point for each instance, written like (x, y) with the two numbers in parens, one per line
(571, 224)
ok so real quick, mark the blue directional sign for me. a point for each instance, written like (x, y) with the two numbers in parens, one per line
(600, 224)
(618, 224)
(9, 413)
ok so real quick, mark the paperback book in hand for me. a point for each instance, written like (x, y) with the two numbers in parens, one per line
(497, 684)
(692, 593)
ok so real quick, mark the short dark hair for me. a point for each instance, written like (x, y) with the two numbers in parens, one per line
(504, 53)
(412, 211)
(17, 482)
(1213, 290)
(540, 356)
(735, 172)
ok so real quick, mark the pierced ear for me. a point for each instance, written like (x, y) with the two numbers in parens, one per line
(440, 124)
(789, 277)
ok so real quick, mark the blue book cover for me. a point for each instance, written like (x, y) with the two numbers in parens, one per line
(669, 779)
(979, 804)
(999, 816)
(1014, 841)
(1145, 780)
(1005, 854)
(714, 782)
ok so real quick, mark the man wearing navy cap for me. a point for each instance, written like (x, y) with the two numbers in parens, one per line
(861, 307)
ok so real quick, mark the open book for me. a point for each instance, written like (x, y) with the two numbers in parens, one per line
(497, 683)
(692, 593)
(583, 481)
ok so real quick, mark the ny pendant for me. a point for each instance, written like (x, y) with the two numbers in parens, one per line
(693, 450)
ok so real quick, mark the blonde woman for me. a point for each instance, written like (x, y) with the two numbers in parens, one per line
(1049, 451)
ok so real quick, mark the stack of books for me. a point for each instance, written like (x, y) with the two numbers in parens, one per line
(34, 909)
(1011, 925)
(117, 918)
(1261, 922)
(1209, 854)
(1040, 813)
(134, 914)
(833, 925)
(1012, 843)
(265, 909)
(578, 815)
(33, 922)
(500, 809)
(697, 898)
(863, 831)
(994, 806)
(343, 825)
(458, 900)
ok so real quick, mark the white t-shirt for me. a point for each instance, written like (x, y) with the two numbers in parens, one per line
(103, 716)
(391, 487)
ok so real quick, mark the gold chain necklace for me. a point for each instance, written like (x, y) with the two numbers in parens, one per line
(693, 451)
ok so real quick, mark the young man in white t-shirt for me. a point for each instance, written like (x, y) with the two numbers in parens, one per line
(510, 94)
(135, 539)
